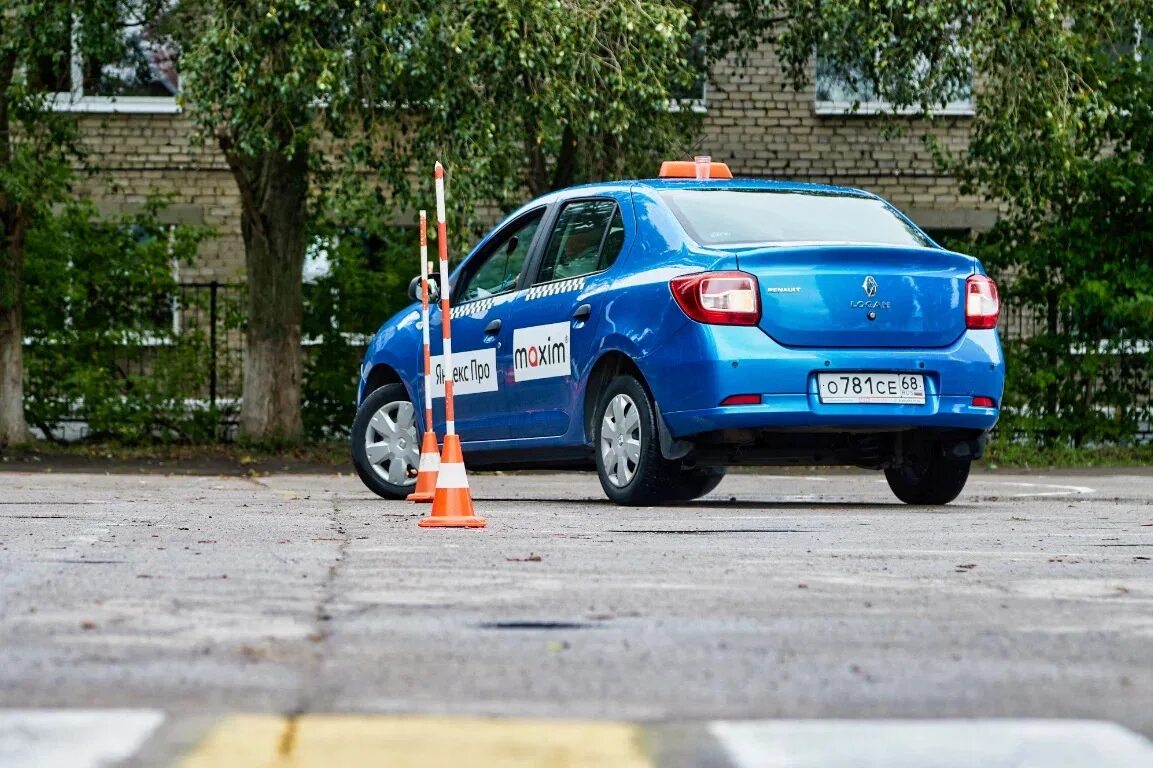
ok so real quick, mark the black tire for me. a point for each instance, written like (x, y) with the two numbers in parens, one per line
(929, 480)
(695, 483)
(649, 478)
(391, 398)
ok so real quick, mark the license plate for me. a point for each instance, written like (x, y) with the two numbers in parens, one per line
(899, 388)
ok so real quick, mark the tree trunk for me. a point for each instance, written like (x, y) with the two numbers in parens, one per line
(274, 195)
(13, 427)
(13, 226)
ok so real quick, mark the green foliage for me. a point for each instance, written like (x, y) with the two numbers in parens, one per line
(537, 95)
(369, 265)
(1062, 140)
(317, 99)
(102, 345)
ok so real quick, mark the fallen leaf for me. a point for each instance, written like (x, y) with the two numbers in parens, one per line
(532, 558)
(88, 625)
(252, 653)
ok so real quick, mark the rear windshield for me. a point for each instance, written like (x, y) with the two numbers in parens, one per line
(732, 216)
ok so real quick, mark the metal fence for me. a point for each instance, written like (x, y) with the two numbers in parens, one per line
(196, 346)
(213, 313)
(1112, 359)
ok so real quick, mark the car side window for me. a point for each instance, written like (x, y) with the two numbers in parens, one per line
(587, 238)
(499, 270)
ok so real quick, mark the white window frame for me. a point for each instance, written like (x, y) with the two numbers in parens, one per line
(699, 106)
(76, 101)
(842, 107)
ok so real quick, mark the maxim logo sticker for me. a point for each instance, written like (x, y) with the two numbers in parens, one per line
(473, 371)
(541, 352)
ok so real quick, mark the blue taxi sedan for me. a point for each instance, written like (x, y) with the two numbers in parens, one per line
(663, 330)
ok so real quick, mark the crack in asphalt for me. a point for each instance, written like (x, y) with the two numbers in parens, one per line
(321, 631)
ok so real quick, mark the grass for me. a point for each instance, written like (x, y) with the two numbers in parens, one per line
(330, 456)
(1017, 455)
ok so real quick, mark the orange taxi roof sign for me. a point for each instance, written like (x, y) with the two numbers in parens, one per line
(687, 169)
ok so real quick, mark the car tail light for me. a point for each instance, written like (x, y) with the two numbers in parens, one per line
(981, 401)
(982, 307)
(718, 298)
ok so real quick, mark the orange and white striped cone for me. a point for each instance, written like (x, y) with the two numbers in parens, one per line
(452, 504)
(426, 472)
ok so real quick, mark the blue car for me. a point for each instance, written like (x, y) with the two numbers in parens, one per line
(663, 330)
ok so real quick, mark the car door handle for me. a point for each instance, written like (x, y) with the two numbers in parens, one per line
(582, 313)
(493, 328)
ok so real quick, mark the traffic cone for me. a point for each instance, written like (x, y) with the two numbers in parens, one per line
(427, 471)
(452, 504)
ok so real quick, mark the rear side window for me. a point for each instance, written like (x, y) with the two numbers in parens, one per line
(587, 238)
(744, 216)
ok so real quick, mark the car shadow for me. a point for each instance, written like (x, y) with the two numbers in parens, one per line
(740, 504)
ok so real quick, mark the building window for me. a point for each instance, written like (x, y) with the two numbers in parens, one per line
(844, 90)
(138, 71)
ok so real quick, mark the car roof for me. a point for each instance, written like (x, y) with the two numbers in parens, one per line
(626, 185)
(767, 185)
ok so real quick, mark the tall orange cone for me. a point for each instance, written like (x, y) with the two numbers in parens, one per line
(429, 452)
(452, 504)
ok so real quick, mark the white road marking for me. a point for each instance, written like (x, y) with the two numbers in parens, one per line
(76, 738)
(931, 744)
(1067, 490)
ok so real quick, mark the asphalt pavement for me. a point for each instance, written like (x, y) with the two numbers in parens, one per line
(787, 619)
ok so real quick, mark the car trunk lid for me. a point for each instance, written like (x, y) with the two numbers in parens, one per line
(859, 295)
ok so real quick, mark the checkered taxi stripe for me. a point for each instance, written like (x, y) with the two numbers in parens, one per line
(482, 306)
(555, 288)
(472, 308)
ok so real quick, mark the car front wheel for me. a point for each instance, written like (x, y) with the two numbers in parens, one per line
(930, 480)
(628, 454)
(385, 444)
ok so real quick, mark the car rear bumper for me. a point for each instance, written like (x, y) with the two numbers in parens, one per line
(691, 378)
(806, 411)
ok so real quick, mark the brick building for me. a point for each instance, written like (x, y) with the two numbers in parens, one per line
(753, 119)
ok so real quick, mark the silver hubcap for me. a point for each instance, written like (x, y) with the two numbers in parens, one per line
(391, 444)
(621, 440)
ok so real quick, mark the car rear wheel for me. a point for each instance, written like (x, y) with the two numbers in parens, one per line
(385, 444)
(695, 483)
(932, 479)
(628, 454)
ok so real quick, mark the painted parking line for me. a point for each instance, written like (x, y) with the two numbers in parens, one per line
(327, 741)
(931, 744)
(1039, 489)
(73, 738)
(1058, 490)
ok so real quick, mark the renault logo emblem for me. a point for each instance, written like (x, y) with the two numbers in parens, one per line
(870, 286)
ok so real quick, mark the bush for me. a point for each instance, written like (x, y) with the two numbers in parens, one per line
(102, 346)
(365, 283)
(1080, 299)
